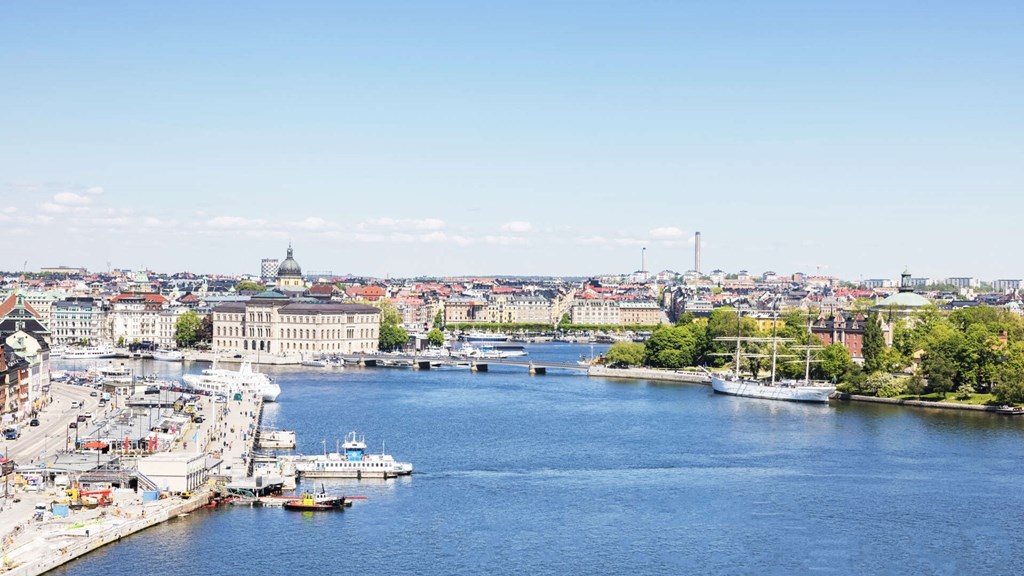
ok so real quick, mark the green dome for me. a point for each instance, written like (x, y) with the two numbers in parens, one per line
(904, 300)
(289, 267)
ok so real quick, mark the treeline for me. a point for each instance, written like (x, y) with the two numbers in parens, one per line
(977, 350)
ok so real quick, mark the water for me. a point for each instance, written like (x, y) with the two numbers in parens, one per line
(563, 474)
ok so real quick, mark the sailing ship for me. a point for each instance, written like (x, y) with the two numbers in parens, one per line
(791, 390)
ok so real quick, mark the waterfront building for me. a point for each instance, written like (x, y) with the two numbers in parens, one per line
(78, 319)
(17, 315)
(464, 309)
(592, 310)
(24, 374)
(271, 322)
(136, 317)
(641, 312)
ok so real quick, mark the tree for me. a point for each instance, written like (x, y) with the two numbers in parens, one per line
(874, 344)
(120, 341)
(1008, 381)
(249, 286)
(205, 333)
(392, 335)
(671, 347)
(439, 319)
(835, 361)
(625, 354)
(915, 385)
(435, 338)
(186, 329)
(940, 371)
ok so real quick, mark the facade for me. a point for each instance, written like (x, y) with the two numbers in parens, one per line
(642, 312)
(25, 374)
(962, 282)
(175, 471)
(1006, 285)
(847, 331)
(79, 319)
(272, 323)
(461, 309)
(595, 311)
(136, 317)
(166, 323)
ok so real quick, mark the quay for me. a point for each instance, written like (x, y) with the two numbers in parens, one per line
(35, 538)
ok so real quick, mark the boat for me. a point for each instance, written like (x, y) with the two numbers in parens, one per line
(317, 502)
(168, 355)
(273, 439)
(88, 353)
(478, 336)
(791, 390)
(1010, 410)
(353, 462)
(315, 363)
(228, 382)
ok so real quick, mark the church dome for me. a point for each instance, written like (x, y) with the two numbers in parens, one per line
(289, 268)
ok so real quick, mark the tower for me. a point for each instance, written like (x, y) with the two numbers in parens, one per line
(696, 252)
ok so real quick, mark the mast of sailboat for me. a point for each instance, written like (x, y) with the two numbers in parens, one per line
(807, 364)
(775, 341)
(739, 334)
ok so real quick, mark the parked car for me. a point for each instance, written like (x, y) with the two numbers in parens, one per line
(197, 419)
(73, 425)
(33, 422)
(88, 414)
(93, 393)
(82, 418)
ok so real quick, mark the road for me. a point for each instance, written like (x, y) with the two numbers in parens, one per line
(53, 432)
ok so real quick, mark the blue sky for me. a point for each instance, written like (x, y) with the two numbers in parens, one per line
(557, 138)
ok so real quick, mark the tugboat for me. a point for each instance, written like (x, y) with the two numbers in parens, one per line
(317, 502)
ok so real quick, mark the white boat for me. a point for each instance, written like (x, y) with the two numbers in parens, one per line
(168, 355)
(352, 462)
(88, 353)
(791, 390)
(227, 382)
(273, 439)
(315, 363)
(478, 336)
(785, 390)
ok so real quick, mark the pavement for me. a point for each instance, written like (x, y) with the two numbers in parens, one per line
(31, 546)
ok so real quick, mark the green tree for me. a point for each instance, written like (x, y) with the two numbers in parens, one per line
(435, 338)
(249, 286)
(205, 333)
(915, 385)
(120, 341)
(940, 371)
(391, 335)
(439, 319)
(874, 344)
(186, 329)
(1008, 379)
(834, 362)
(625, 354)
(671, 347)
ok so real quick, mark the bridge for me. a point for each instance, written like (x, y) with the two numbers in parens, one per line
(475, 364)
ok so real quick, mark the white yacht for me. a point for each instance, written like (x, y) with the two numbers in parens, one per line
(353, 462)
(227, 382)
(88, 352)
(168, 355)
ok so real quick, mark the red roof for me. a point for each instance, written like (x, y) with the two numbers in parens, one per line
(11, 301)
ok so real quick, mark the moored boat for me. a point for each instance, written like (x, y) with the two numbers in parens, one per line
(228, 382)
(317, 502)
(353, 462)
(168, 355)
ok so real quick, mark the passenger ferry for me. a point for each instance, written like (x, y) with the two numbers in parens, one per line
(227, 382)
(168, 355)
(354, 462)
(88, 353)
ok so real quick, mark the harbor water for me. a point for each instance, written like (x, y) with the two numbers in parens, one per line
(564, 474)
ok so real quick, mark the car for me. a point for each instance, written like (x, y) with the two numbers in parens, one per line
(93, 393)
(73, 425)
(88, 414)
(82, 418)
(198, 419)
(33, 422)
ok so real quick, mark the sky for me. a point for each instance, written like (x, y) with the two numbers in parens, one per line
(399, 139)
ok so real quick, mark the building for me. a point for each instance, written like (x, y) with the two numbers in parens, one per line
(1006, 285)
(16, 315)
(268, 269)
(847, 331)
(64, 271)
(962, 282)
(26, 376)
(903, 303)
(462, 309)
(595, 311)
(79, 319)
(289, 276)
(875, 283)
(175, 471)
(272, 323)
(136, 317)
(639, 312)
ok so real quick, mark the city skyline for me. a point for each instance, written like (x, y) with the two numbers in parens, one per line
(453, 139)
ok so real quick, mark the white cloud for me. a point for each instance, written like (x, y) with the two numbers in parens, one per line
(506, 240)
(313, 223)
(591, 240)
(95, 190)
(667, 233)
(10, 210)
(405, 223)
(52, 208)
(234, 222)
(70, 198)
(516, 227)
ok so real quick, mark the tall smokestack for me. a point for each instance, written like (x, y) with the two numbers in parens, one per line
(696, 252)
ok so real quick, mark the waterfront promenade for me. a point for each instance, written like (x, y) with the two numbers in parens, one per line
(32, 546)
